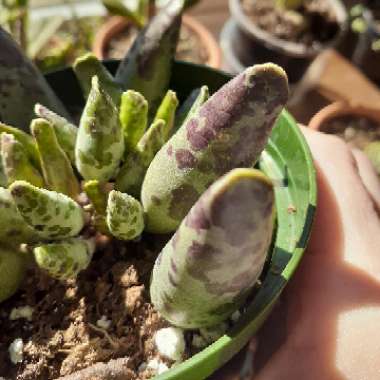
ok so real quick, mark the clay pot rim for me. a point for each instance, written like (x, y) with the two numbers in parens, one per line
(293, 49)
(116, 24)
(341, 108)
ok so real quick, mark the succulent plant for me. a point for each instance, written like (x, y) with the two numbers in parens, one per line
(138, 163)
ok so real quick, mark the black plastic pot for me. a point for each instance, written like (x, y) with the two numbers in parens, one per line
(245, 44)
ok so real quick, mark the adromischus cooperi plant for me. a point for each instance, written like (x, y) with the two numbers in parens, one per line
(132, 144)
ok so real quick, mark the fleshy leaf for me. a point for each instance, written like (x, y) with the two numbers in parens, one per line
(53, 215)
(15, 162)
(147, 66)
(86, 67)
(191, 106)
(131, 175)
(98, 196)
(26, 140)
(125, 216)
(230, 130)
(12, 271)
(64, 260)
(100, 143)
(214, 259)
(152, 141)
(166, 112)
(133, 118)
(56, 167)
(13, 228)
(65, 131)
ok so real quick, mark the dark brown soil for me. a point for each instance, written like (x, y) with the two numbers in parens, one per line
(190, 47)
(358, 131)
(64, 335)
(313, 24)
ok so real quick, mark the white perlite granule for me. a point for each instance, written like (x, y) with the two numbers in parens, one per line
(22, 312)
(16, 350)
(170, 342)
(157, 366)
(103, 323)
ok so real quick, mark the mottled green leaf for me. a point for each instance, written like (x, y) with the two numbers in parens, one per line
(125, 216)
(100, 143)
(65, 131)
(56, 167)
(53, 215)
(15, 162)
(64, 260)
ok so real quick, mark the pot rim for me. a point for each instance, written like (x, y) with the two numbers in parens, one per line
(293, 49)
(341, 108)
(116, 24)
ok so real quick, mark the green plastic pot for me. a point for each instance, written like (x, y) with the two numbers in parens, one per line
(287, 160)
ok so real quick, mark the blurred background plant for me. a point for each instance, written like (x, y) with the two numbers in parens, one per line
(54, 41)
(139, 11)
(14, 18)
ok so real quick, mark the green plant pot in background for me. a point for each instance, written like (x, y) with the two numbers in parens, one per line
(287, 161)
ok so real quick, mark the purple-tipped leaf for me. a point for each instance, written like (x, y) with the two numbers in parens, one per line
(207, 269)
(230, 130)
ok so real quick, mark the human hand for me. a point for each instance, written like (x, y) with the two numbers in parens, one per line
(326, 325)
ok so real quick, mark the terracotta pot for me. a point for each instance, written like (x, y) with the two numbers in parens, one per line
(337, 109)
(117, 24)
(252, 44)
